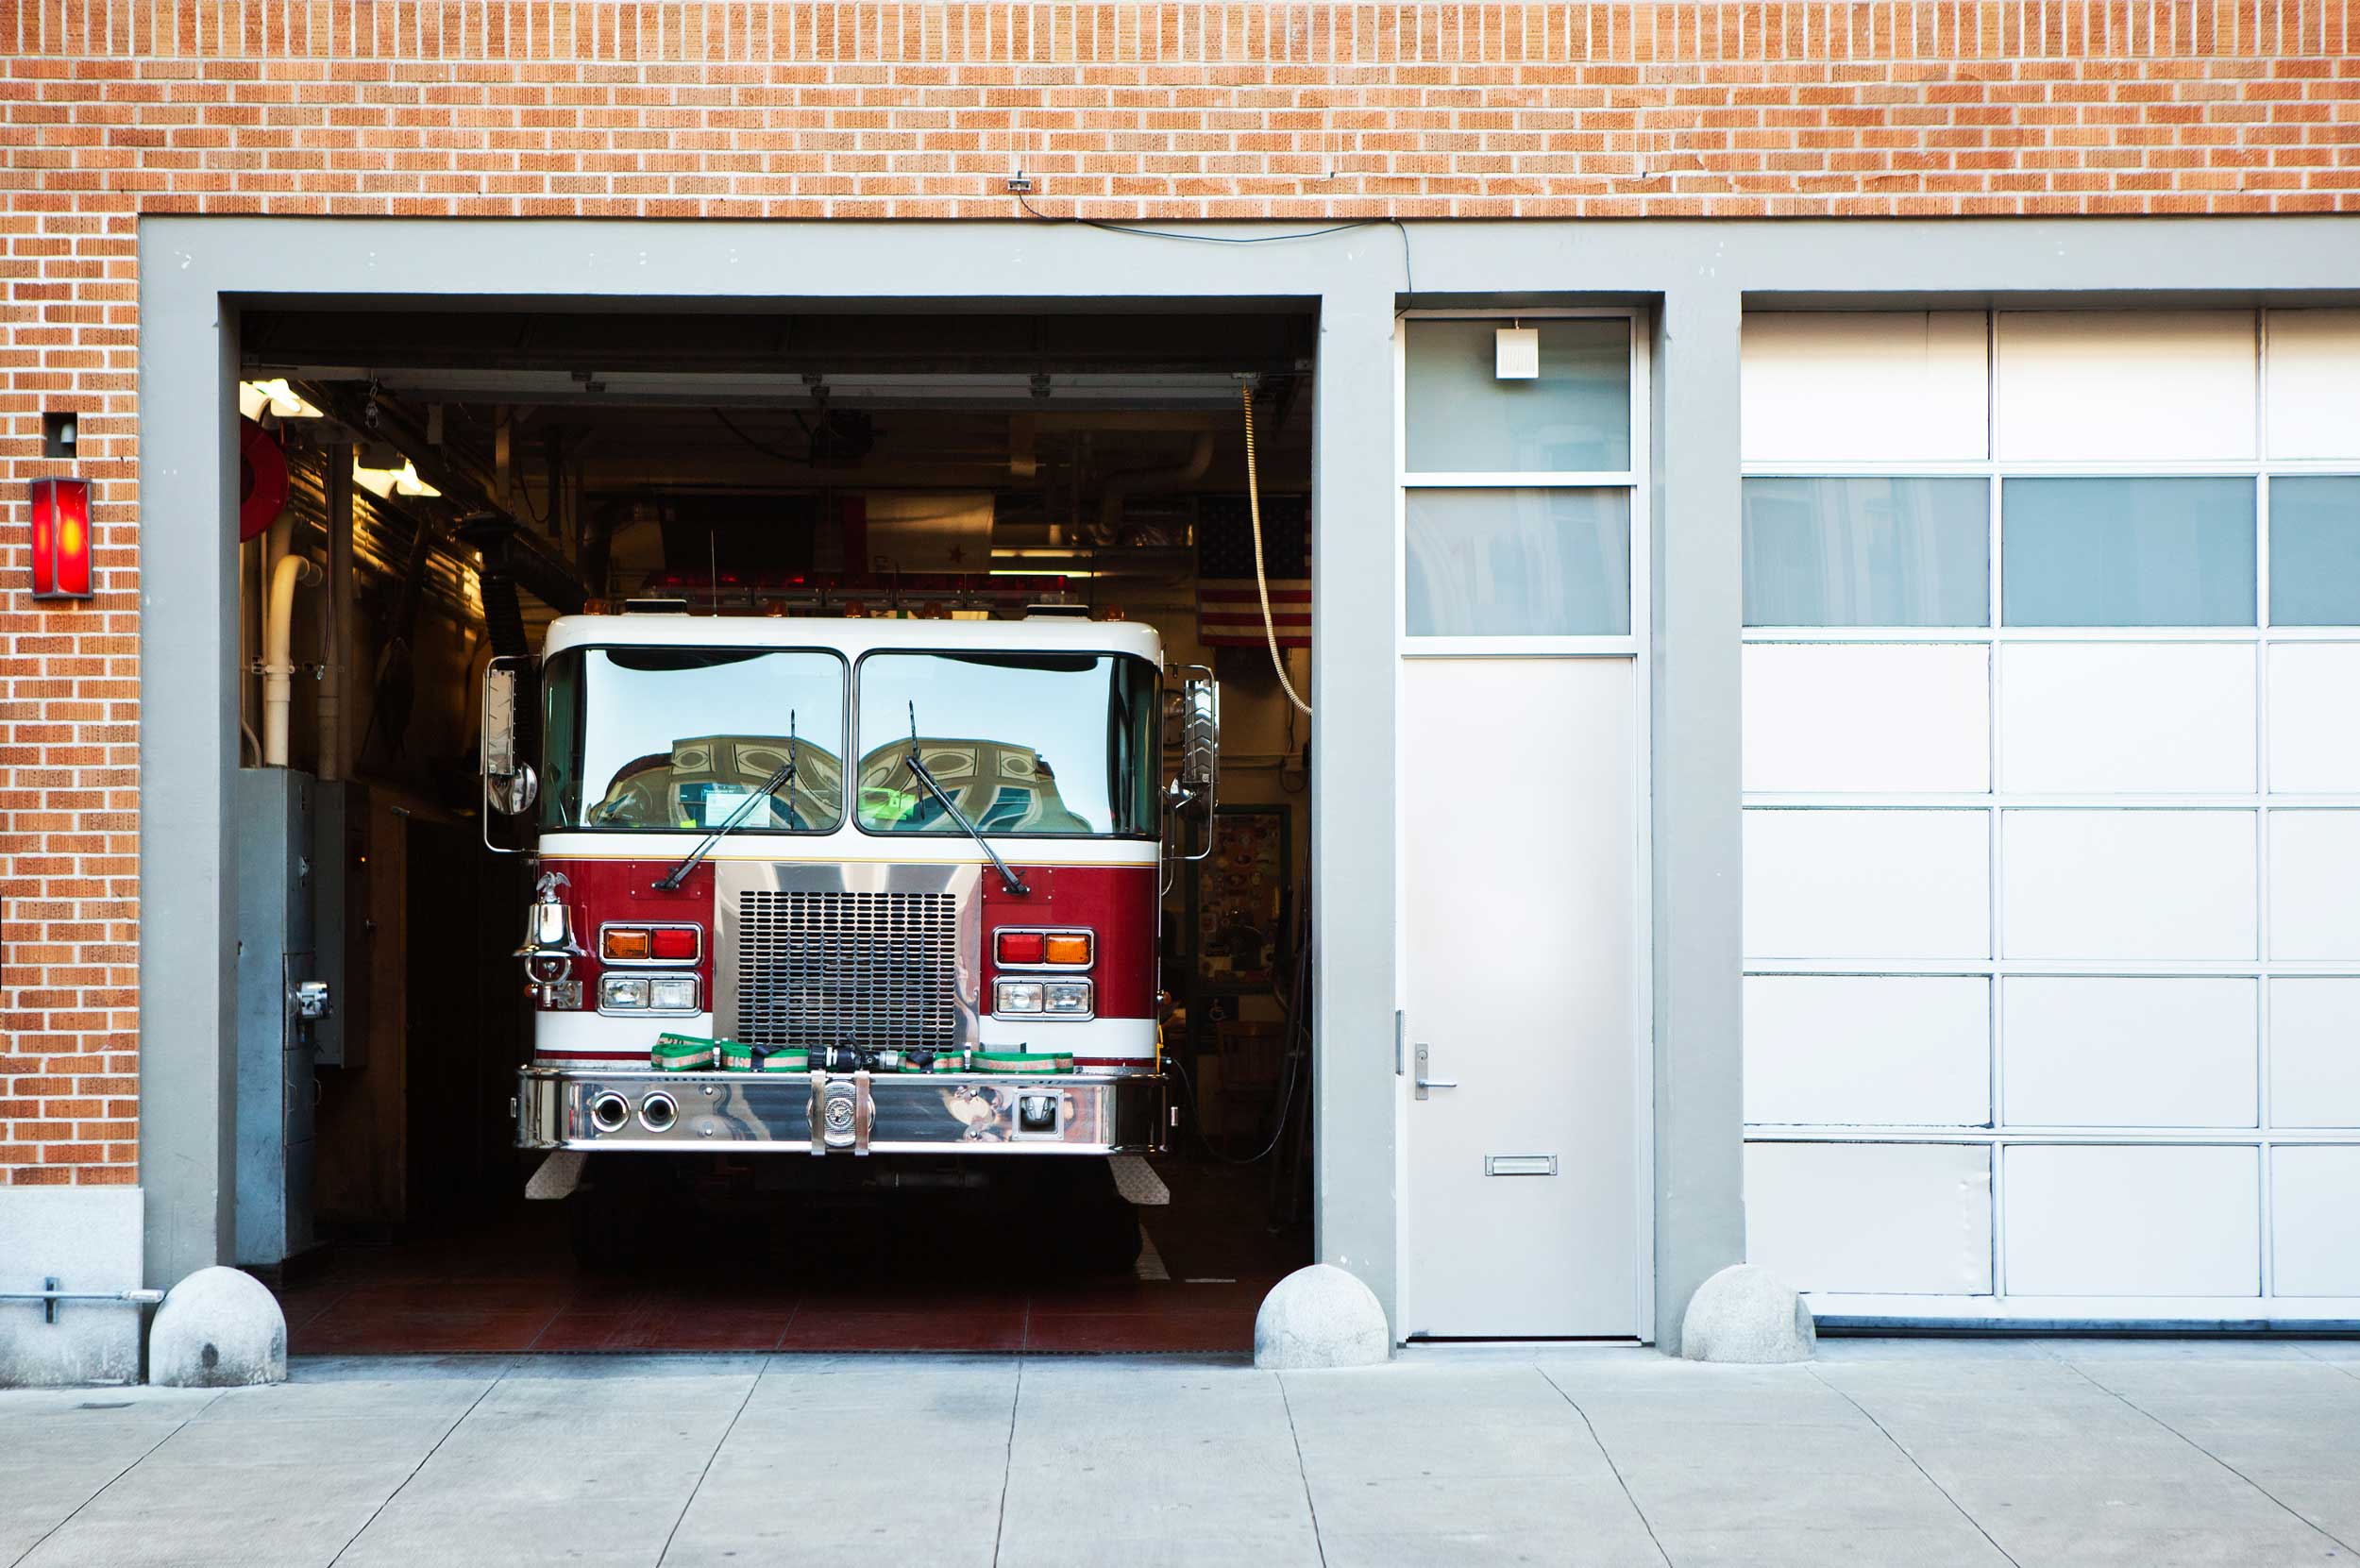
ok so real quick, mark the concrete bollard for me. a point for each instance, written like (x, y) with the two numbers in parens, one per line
(219, 1328)
(1317, 1318)
(1747, 1315)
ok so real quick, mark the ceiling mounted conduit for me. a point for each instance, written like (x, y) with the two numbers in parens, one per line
(1124, 484)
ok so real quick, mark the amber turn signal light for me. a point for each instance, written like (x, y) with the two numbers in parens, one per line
(1068, 947)
(625, 944)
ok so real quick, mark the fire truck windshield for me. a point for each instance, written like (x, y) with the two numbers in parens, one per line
(1029, 744)
(678, 738)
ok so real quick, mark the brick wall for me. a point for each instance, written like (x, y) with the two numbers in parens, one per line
(110, 109)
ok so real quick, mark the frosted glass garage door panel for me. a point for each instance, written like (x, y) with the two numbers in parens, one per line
(2314, 380)
(1901, 1218)
(2314, 1053)
(1866, 387)
(2315, 718)
(1866, 885)
(2145, 718)
(1867, 716)
(2315, 884)
(2129, 884)
(2315, 1220)
(2106, 1219)
(2076, 385)
(1868, 1050)
(2129, 1052)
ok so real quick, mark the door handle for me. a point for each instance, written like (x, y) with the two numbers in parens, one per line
(1421, 1082)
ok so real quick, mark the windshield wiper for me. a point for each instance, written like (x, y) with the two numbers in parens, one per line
(1015, 884)
(783, 774)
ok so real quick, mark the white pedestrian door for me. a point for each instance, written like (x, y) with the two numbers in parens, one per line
(1521, 923)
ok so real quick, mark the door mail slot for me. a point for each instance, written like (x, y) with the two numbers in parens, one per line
(1520, 1165)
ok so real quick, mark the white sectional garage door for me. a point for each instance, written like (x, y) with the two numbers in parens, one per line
(2052, 830)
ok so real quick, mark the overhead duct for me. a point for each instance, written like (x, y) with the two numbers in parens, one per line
(1127, 483)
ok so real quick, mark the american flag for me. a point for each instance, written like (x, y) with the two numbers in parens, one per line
(1228, 610)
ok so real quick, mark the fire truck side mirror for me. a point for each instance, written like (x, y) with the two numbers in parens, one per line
(509, 785)
(1196, 782)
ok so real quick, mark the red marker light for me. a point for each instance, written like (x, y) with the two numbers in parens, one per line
(675, 943)
(61, 542)
(1020, 947)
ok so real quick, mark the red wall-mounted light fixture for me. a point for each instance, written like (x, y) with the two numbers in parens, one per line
(61, 539)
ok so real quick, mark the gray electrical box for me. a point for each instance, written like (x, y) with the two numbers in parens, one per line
(282, 1002)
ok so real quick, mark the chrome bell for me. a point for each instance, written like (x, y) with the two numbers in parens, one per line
(549, 922)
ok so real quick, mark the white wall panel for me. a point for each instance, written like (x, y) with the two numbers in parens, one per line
(2121, 1053)
(2315, 1220)
(2314, 375)
(2127, 717)
(1880, 387)
(1867, 716)
(1868, 1050)
(2076, 385)
(2129, 884)
(2314, 1055)
(2116, 1221)
(2314, 741)
(1866, 885)
(1904, 1217)
(2315, 884)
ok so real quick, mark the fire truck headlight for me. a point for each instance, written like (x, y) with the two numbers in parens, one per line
(619, 993)
(673, 993)
(1069, 997)
(1016, 996)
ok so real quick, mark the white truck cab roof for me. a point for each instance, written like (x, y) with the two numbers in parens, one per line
(853, 636)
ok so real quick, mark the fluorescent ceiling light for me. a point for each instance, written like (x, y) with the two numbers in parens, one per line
(273, 397)
(381, 483)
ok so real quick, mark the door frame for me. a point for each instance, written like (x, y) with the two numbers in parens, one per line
(1636, 646)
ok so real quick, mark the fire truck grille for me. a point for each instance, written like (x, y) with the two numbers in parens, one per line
(859, 968)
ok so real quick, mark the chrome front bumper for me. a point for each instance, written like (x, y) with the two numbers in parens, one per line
(852, 1113)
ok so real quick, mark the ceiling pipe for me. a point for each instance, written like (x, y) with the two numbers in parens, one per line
(1122, 485)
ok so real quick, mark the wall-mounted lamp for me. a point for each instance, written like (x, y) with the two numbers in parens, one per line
(1516, 354)
(61, 539)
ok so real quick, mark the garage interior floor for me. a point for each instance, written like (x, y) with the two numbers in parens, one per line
(507, 1281)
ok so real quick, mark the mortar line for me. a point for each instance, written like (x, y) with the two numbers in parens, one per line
(378, 1511)
(1007, 1468)
(1317, 1544)
(1615, 1470)
(690, 1501)
(2184, 1436)
(1901, 1448)
(111, 1480)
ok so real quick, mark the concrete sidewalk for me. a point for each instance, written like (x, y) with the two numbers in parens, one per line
(1917, 1453)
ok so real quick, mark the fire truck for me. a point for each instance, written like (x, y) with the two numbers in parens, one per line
(881, 894)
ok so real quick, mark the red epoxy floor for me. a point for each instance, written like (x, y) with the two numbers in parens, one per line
(509, 1283)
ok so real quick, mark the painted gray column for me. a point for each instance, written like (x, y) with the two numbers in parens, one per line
(188, 750)
(1354, 567)
(1700, 1113)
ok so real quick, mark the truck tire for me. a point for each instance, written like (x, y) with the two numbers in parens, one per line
(1088, 1226)
(609, 1216)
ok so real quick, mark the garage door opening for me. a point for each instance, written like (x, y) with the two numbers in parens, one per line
(973, 558)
